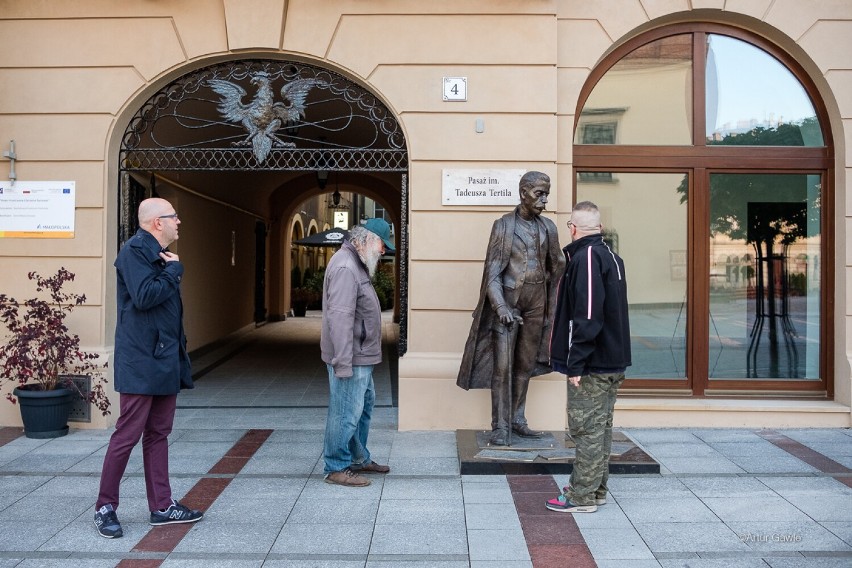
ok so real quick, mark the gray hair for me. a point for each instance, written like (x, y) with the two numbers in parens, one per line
(360, 237)
(586, 216)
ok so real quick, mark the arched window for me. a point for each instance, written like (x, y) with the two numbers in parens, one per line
(704, 142)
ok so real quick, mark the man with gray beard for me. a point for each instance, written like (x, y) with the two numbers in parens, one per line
(351, 344)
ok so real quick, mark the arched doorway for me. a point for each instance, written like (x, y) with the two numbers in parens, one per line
(242, 133)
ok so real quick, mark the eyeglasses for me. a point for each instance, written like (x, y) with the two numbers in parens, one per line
(172, 216)
(570, 224)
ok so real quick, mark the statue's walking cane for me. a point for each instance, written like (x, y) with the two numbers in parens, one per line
(511, 337)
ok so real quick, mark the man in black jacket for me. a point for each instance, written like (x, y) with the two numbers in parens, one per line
(591, 345)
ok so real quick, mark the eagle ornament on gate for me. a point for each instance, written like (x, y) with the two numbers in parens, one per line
(263, 116)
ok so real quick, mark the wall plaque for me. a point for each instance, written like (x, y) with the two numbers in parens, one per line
(481, 187)
(455, 89)
(37, 209)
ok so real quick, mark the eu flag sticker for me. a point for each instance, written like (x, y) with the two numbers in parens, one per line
(66, 190)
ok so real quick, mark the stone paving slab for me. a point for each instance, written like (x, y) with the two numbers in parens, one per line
(495, 492)
(808, 562)
(804, 535)
(425, 488)
(688, 537)
(423, 512)
(843, 530)
(627, 545)
(754, 508)
(732, 488)
(686, 509)
(497, 545)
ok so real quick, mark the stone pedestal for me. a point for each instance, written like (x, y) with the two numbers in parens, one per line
(551, 454)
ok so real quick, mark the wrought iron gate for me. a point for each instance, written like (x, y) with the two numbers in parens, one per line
(265, 115)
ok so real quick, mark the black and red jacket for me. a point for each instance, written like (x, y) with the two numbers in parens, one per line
(591, 328)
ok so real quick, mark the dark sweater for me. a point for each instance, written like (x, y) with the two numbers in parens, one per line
(591, 329)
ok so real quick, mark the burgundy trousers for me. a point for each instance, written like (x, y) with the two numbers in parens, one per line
(151, 418)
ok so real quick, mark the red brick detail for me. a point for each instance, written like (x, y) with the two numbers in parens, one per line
(241, 452)
(553, 529)
(133, 563)
(804, 453)
(203, 493)
(201, 496)
(162, 539)
(553, 539)
(560, 556)
(9, 434)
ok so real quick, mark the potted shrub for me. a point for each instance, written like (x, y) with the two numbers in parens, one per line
(39, 355)
(300, 298)
(314, 284)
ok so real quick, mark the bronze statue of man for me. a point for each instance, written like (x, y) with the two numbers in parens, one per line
(509, 339)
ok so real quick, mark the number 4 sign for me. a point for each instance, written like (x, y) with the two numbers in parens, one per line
(455, 88)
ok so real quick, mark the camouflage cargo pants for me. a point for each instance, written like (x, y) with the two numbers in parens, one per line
(590, 408)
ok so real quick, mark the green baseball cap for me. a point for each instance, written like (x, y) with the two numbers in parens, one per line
(381, 228)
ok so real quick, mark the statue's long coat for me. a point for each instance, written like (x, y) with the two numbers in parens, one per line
(477, 367)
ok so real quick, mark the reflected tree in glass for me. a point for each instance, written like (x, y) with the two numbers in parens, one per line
(768, 213)
(790, 134)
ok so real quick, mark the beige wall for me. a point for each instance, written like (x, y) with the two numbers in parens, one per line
(72, 74)
(218, 298)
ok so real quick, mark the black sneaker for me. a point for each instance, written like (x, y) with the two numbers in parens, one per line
(107, 523)
(175, 514)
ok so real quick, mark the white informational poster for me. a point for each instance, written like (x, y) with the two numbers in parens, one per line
(37, 209)
(481, 187)
(341, 219)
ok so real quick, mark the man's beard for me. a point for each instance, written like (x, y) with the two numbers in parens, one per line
(370, 258)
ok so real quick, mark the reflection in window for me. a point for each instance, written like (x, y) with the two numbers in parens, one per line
(764, 276)
(645, 221)
(754, 100)
(596, 177)
(648, 93)
(598, 132)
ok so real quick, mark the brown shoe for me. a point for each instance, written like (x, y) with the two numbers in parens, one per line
(347, 477)
(524, 431)
(373, 467)
(499, 437)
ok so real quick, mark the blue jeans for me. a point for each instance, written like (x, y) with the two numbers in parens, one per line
(350, 407)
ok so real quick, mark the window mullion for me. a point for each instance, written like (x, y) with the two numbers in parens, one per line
(699, 93)
(698, 334)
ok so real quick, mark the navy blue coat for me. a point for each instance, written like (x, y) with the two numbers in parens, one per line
(150, 345)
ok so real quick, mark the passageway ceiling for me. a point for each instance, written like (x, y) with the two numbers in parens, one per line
(252, 190)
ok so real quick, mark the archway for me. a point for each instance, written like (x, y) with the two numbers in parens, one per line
(242, 133)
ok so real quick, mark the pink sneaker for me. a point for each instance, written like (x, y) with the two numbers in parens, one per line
(563, 505)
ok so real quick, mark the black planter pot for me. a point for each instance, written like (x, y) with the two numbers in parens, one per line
(300, 309)
(44, 413)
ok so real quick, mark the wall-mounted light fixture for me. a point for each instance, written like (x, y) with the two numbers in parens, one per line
(336, 197)
(12, 157)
